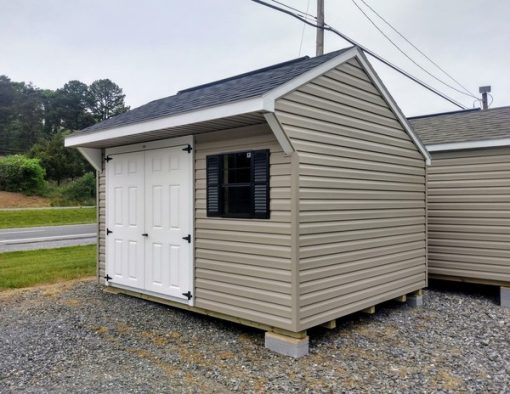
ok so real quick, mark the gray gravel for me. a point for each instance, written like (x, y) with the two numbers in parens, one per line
(73, 337)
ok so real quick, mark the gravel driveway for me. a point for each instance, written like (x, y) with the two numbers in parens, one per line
(72, 337)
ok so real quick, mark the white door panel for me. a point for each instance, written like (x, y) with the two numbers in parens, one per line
(168, 221)
(150, 193)
(125, 219)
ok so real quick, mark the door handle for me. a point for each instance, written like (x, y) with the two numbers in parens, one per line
(145, 235)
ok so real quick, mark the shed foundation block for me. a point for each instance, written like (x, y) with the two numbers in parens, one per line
(415, 299)
(505, 297)
(288, 346)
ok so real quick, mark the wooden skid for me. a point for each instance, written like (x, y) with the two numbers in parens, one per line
(218, 315)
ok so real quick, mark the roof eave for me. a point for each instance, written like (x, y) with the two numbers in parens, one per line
(251, 105)
(469, 145)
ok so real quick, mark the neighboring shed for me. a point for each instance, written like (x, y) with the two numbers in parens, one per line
(469, 195)
(283, 198)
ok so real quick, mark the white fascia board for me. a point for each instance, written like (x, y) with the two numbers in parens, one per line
(222, 111)
(469, 145)
(393, 105)
(93, 156)
(271, 96)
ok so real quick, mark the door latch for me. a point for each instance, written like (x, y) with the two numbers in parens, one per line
(187, 238)
(145, 235)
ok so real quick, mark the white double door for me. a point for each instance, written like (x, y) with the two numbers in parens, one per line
(149, 214)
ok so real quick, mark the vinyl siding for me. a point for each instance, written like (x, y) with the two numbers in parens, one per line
(362, 213)
(469, 215)
(243, 266)
(101, 224)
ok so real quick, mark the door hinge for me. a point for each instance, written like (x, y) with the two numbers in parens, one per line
(187, 295)
(108, 158)
(108, 231)
(188, 148)
(187, 238)
(108, 278)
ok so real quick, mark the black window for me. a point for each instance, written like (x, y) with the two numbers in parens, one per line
(238, 184)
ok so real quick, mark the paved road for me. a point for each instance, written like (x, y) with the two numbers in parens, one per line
(47, 237)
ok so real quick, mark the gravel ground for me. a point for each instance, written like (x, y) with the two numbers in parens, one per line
(72, 337)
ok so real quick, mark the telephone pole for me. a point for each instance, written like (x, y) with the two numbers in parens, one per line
(320, 29)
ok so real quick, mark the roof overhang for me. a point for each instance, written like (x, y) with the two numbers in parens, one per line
(264, 104)
(469, 145)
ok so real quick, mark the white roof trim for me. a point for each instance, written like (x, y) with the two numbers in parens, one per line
(201, 115)
(264, 104)
(393, 105)
(469, 145)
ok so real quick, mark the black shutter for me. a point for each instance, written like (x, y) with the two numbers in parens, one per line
(214, 185)
(260, 185)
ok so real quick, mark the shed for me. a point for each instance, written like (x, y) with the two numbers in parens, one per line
(469, 195)
(282, 198)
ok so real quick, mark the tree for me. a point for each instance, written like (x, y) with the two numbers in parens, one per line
(73, 100)
(106, 99)
(59, 162)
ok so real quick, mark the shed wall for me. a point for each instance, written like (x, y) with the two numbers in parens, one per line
(469, 215)
(243, 266)
(362, 213)
(101, 224)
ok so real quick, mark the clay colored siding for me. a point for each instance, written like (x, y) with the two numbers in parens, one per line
(469, 215)
(101, 225)
(362, 214)
(243, 266)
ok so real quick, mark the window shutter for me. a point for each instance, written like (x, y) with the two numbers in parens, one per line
(260, 186)
(214, 185)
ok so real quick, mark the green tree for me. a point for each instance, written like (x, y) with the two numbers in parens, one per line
(106, 99)
(59, 162)
(73, 100)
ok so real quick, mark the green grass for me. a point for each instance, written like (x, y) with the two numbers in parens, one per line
(46, 217)
(35, 267)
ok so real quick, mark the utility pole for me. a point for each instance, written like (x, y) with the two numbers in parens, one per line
(320, 28)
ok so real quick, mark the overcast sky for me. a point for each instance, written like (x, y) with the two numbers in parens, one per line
(153, 48)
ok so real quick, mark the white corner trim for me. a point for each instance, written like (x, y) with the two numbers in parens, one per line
(393, 105)
(201, 115)
(278, 132)
(469, 145)
(315, 72)
(93, 156)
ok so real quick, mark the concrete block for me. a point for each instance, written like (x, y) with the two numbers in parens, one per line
(415, 300)
(288, 346)
(505, 297)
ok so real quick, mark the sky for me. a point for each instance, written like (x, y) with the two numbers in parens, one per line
(154, 48)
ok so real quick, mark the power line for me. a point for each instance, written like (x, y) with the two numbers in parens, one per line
(415, 47)
(365, 49)
(303, 31)
(409, 57)
(306, 14)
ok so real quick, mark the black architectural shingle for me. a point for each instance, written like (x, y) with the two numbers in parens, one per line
(240, 87)
(463, 126)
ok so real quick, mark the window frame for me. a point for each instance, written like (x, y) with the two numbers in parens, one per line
(222, 186)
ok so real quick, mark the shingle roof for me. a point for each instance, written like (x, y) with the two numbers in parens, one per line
(463, 126)
(240, 87)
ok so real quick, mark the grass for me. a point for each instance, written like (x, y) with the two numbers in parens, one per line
(35, 267)
(46, 217)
